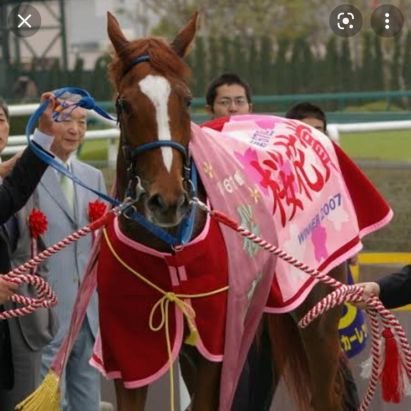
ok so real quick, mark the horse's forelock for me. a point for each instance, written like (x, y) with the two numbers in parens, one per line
(162, 58)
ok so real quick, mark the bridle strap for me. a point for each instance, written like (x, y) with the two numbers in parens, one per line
(186, 228)
(130, 152)
(135, 61)
(135, 151)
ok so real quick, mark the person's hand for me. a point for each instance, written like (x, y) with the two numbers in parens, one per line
(6, 290)
(369, 289)
(46, 122)
(7, 166)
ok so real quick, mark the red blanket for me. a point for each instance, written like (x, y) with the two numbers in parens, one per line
(130, 350)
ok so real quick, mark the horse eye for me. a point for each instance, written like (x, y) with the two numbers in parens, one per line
(188, 102)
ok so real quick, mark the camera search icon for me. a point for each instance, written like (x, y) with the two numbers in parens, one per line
(345, 20)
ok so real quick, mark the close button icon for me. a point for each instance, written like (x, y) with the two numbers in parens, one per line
(24, 20)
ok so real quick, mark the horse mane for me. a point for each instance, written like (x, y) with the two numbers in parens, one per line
(163, 59)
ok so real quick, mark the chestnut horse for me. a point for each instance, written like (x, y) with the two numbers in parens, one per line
(153, 105)
(153, 112)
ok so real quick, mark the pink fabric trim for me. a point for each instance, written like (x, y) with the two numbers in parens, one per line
(200, 345)
(308, 286)
(97, 362)
(205, 353)
(152, 251)
(378, 225)
(297, 302)
(182, 272)
(173, 275)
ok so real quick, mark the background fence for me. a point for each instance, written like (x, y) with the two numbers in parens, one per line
(272, 65)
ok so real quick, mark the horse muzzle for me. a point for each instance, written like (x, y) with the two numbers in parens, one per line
(167, 212)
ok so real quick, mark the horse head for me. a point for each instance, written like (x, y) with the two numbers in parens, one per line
(153, 102)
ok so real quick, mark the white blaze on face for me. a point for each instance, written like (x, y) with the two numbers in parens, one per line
(157, 89)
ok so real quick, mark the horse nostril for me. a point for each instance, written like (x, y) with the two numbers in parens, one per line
(157, 203)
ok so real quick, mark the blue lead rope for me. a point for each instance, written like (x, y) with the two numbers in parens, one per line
(72, 97)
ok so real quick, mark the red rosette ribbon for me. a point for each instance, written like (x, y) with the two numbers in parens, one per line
(37, 222)
(96, 209)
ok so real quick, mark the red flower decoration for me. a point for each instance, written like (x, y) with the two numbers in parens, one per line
(37, 222)
(96, 209)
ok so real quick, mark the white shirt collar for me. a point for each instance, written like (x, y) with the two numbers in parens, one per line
(66, 164)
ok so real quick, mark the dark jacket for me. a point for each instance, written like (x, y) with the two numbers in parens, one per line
(395, 289)
(14, 192)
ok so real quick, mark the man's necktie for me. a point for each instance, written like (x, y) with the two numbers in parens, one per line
(68, 189)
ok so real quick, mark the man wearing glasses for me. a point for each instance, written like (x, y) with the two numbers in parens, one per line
(228, 95)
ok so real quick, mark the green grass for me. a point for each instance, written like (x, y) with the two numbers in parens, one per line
(373, 106)
(94, 150)
(382, 145)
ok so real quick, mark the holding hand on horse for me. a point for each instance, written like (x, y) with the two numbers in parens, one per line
(394, 290)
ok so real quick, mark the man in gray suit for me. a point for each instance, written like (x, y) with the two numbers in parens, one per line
(66, 208)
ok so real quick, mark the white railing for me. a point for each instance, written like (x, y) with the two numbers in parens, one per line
(334, 130)
(17, 143)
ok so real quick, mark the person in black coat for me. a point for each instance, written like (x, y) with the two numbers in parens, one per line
(15, 190)
(394, 290)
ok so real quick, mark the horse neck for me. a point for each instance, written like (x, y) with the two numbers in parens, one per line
(138, 233)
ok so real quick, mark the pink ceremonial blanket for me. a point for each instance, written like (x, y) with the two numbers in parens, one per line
(288, 183)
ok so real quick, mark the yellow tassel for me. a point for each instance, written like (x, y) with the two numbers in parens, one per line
(192, 338)
(45, 398)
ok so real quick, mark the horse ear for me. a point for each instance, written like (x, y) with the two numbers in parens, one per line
(181, 44)
(114, 32)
